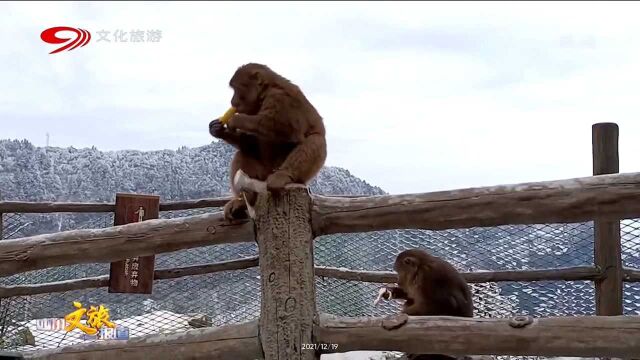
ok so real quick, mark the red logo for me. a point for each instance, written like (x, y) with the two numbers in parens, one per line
(82, 38)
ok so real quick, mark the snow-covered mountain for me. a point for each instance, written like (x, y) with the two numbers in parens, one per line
(68, 174)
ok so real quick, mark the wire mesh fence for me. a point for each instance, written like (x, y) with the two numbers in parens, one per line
(472, 250)
(26, 322)
(176, 304)
(630, 247)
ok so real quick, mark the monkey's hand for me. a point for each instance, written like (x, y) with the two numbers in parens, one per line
(383, 293)
(266, 127)
(397, 293)
(238, 122)
(216, 129)
(239, 140)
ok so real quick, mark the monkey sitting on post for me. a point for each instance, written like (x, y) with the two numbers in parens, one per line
(430, 286)
(278, 134)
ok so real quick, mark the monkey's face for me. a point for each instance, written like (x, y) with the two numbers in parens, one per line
(247, 91)
(407, 268)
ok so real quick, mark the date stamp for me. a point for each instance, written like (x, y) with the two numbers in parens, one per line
(320, 347)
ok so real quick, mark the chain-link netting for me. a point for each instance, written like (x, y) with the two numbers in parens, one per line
(630, 242)
(234, 296)
(630, 246)
(176, 304)
(469, 250)
(631, 298)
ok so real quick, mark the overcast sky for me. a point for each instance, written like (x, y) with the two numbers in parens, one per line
(416, 97)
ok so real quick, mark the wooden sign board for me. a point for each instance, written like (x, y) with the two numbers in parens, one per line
(134, 275)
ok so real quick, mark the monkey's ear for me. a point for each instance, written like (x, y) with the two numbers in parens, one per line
(256, 76)
(409, 261)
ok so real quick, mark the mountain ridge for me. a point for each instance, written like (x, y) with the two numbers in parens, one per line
(31, 173)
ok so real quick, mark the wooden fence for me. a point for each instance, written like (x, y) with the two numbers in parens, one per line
(285, 227)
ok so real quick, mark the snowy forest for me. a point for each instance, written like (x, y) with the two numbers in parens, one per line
(89, 175)
(31, 173)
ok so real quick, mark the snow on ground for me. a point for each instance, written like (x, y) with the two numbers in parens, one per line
(354, 355)
(138, 326)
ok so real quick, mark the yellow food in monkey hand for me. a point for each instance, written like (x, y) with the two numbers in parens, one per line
(227, 115)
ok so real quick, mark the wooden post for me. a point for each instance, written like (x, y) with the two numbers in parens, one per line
(134, 275)
(288, 306)
(607, 233)
(1, 222)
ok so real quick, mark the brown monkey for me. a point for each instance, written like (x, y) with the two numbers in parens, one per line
(430, 286)
(279, 135)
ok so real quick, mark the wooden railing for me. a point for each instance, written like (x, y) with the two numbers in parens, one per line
(285, 227)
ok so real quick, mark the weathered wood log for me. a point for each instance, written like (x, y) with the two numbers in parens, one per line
(194, 204)
(230, 342)
(565, 201)
(54, 207)
(566, 274)
(240, 264)
(576, 273)
(54, 287)
(285, 242)
(580, 336)
(103, 281)
(607, 249)
(76, 207)
(631, 275)
(114, 243)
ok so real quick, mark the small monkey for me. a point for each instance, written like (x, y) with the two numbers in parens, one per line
(430, 286)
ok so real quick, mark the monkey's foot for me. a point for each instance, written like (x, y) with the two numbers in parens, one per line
(278, 180)
(235, 209)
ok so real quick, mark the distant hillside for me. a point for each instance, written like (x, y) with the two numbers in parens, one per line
(68, 174)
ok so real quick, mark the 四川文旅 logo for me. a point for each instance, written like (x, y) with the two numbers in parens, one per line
(50, 36)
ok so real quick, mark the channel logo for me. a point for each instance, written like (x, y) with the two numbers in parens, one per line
(50, 36)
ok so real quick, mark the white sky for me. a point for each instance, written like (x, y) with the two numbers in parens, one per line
(416, 97)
